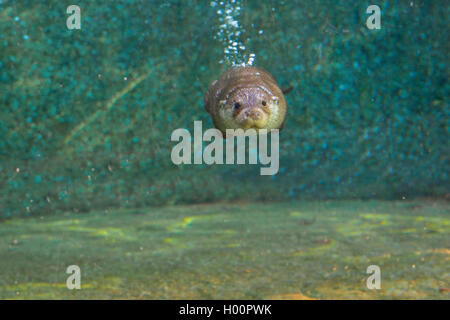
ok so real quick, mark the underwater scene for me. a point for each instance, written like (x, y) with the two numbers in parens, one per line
(235, 149)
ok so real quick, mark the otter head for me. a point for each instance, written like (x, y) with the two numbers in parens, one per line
(250, 107)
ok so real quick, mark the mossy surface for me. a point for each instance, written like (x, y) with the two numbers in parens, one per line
(294, 250)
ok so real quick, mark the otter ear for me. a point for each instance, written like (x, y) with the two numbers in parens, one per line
(287, 90)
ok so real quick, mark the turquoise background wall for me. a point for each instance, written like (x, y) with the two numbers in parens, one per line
(86, 115)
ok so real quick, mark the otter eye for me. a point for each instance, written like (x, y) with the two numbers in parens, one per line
(237, 105)
(263, 103)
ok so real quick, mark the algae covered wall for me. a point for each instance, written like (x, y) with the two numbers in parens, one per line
(86, 115)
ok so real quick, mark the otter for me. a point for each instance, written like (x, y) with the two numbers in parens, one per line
(244, 98)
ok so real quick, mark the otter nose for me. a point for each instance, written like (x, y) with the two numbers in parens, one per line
(253, 114)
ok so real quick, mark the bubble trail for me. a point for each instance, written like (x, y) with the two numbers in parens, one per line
(230, 33)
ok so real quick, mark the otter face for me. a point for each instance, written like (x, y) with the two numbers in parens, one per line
(252, 107)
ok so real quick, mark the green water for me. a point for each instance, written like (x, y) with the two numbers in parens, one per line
(86, 176)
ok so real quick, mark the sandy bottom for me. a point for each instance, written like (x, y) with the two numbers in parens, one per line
(296, 250)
